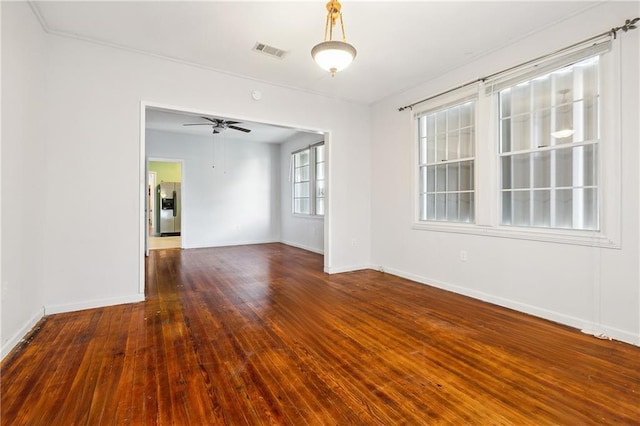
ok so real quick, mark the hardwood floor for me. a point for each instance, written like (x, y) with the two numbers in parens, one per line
(260, 335)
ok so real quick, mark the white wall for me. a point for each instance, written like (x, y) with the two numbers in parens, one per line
(591, 288)
(296, 230)
(89, 112)
(23, 157)
(235, 202)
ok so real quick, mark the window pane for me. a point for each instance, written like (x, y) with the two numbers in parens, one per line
(542, 169)
(521, 171)
(301, 205)
(431, 138)
(452, 207)
(505, 135)
(590, 165)
(423, 206)
(542, 129)
(507, 208)
(542, 208)
(521, 208)
(441, 144)
(431, 179)
(590, 209)
(301, 190)
(452, 177)
(302, 158)
(521, 132)
(441, 207)
(431, 207)
(441, 178)
(564, 168)
(453, 141)
(467, 112)
(453, 116)
(521, 99)
(466, 176)
(466, 143)
(466, 207)
(320, 171)
(506, 176)
(564, 208)
(319, 153)
(320, 189)
(302, 174)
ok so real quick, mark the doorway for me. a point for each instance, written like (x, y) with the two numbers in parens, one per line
(165, 210)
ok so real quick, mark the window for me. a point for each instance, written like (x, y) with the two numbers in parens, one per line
(522, 154)
(309, 182)
(446, 139)
(549, 142)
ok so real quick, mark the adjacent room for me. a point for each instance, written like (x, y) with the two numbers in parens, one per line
(311, 212)
(243, 182)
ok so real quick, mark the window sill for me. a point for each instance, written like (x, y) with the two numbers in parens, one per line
(559, 236)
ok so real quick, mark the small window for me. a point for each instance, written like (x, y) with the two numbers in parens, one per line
(446, 140)
(309, 183)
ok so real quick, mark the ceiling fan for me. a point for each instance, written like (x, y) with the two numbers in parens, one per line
(219, 125)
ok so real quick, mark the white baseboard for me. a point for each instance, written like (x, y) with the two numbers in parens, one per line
(303, 247)
(587, 326)
(19, 336)
(90, 304)
(228, 243)
(342, 269)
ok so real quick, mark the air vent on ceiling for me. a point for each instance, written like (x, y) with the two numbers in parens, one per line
(269, 50)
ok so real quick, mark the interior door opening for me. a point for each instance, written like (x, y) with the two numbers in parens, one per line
(165, 204)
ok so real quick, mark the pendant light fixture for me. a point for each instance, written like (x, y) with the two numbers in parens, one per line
(333, 55)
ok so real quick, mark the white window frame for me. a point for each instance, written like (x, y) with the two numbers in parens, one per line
(486, 166)
(312, 181)
(444, 102)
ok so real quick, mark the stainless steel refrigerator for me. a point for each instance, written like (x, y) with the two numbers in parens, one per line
(170, 208)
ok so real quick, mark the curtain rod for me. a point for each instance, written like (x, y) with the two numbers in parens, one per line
(628, 25)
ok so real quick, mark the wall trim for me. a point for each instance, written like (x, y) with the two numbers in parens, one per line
(90, 304)
(342, 269)
(303, 247)
(589, 327)
(229, 243)
(19, 336)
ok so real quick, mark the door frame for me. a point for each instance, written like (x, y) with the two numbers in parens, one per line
(328, 243)
(152, 178)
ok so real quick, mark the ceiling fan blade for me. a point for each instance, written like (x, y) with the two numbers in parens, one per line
(230, 122)
(213, 120)
(198, 124)
(239, 128)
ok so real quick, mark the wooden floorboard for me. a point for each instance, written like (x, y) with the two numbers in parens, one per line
(260, 335)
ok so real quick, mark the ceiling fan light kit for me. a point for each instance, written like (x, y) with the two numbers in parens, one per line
(333, 55)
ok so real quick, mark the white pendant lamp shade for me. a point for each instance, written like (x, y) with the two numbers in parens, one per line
(333, 56)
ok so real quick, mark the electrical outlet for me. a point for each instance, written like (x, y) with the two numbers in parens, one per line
(463, 256)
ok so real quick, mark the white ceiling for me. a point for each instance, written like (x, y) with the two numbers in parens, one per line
(173, 121)
(400, 44)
